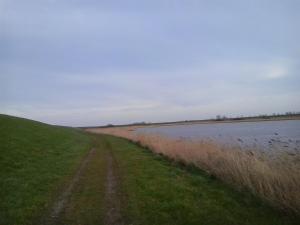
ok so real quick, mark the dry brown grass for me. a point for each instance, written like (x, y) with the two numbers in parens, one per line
(275, 179)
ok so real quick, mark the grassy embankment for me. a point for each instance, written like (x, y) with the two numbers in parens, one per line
(35, 159)
(38, 160)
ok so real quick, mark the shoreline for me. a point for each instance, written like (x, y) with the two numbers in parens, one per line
(215, 122)
(194, 122)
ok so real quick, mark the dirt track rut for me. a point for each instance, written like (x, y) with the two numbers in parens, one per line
(113, 214)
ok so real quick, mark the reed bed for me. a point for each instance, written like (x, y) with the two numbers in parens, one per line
(276, 179)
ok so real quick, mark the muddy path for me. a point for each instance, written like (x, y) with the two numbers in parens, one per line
(113, 215)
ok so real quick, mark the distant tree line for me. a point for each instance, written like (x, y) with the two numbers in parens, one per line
(261, 116)
(217, 118)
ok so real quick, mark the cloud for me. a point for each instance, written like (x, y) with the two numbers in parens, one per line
(84, 62)
(276, 71)
(253, 70)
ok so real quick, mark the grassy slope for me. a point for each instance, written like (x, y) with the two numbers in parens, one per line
(159, 192)
(35, 158)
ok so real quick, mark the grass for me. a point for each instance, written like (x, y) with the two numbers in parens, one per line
(35, 160)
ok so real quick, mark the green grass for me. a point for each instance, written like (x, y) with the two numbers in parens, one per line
(35, 159)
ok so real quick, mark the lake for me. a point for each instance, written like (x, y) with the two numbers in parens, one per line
(266, 135)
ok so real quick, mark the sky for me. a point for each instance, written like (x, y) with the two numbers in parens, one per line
(93, 62)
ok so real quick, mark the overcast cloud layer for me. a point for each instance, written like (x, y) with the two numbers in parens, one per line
(85, 62)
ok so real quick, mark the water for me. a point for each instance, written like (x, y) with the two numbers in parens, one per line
(267, 135)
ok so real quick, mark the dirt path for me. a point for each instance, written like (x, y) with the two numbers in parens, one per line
(113, 214)
(62, 201)
(112, 196)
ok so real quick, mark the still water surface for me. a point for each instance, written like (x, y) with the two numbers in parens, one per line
(269, 135)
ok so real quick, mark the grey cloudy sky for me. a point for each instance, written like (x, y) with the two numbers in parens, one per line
(91, 62)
